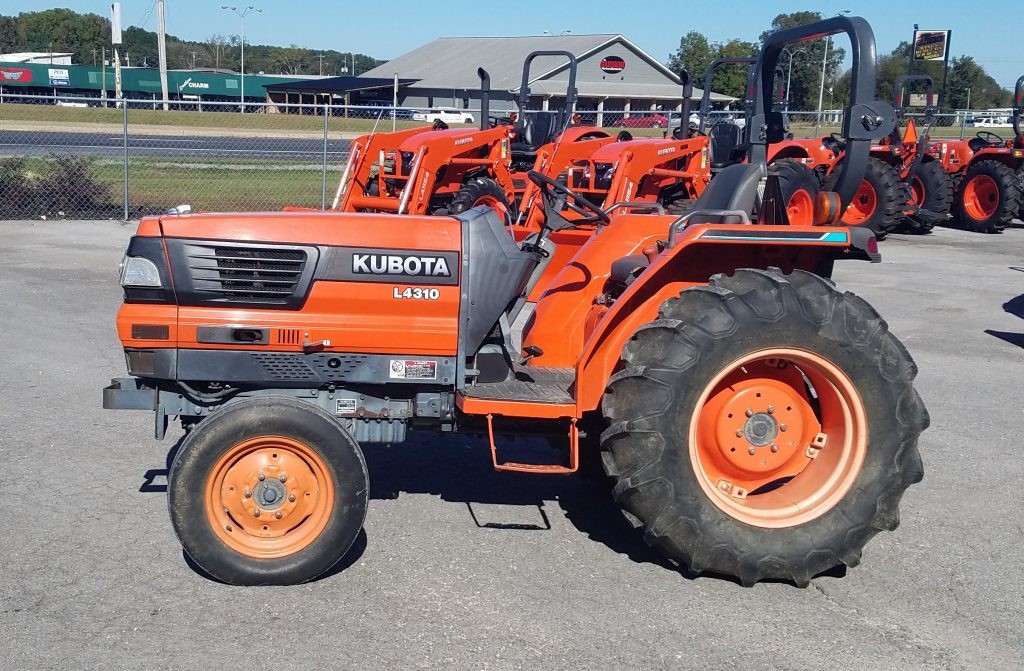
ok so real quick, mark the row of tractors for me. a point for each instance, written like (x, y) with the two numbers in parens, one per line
(911, 182)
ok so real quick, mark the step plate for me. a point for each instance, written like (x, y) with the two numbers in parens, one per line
(531, 384)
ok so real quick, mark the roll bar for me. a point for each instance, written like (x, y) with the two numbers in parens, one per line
(570, 92)
(864, 120)
(684, 110)
(929, 111)
(1018, 106)
(705, 100)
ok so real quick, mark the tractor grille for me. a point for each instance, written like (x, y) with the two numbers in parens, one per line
(246, 274)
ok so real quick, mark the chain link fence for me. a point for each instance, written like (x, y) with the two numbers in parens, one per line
(87, 158)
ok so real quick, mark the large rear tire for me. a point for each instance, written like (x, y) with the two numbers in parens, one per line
(988, 197)
(268, 491)
(879, 201)
(723, 454)
(931, 188)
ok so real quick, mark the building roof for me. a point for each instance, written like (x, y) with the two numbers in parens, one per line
(30, 56)
(337, 84)
(451, 62)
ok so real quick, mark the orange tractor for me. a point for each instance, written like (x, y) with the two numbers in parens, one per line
(989, 174)
(757, 421)
(436, 170)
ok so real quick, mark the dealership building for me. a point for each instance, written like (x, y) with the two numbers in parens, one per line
(613, 76)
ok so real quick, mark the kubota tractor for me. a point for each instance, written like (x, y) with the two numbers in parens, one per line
(989, 172)
(757, 421)
(441, 171)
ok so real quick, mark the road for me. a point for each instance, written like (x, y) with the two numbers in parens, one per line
(93, 576)
(37, 143)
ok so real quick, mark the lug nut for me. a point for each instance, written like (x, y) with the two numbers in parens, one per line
(291, 497)
(256, 513)
(783, 427)
(752, 451)
(278, 514)
(261, 477)
(248, 493)
(775, 448)
(283, 477)
(749, 412)
(739, 433)
(771, 409)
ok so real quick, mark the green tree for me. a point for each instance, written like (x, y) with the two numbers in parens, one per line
(805, 81)
(693, 55)
(968, 79)
(732, 79)
(9, 41)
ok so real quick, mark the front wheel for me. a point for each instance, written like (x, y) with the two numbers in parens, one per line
(763, 427)
(931, 189)
(268, 491)
(799, 187)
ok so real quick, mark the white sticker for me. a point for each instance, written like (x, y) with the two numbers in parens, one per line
(412, 369)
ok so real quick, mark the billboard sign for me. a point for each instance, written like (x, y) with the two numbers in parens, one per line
(15, 76)
(613, 64)
(59, 76)
(931, 45)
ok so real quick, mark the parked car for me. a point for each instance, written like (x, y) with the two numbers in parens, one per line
(446, 115)
(643, 121)
(389, 112)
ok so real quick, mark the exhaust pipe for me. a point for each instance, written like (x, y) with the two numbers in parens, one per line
(485, 98)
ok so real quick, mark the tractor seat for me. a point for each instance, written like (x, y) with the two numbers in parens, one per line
(537, 130)
(725, 137)
(734, 188)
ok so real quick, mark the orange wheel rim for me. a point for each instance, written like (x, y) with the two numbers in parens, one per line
(800, 208)
(863, 205)
(981, 197)
(269, 497)
(761, 450)
(916, 191)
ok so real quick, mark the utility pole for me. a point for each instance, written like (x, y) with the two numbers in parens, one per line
(94, 58)
(161, 44)
(193, 60)
(321, 57)
(241, 15)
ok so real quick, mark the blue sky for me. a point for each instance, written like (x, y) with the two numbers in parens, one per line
(389, 29)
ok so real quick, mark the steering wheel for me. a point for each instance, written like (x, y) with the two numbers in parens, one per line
(985, 135)
(552, 190)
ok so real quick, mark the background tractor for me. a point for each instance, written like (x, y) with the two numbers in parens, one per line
(437, 170)
(757, 422)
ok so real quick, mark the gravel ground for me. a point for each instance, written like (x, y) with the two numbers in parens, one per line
(94, 578)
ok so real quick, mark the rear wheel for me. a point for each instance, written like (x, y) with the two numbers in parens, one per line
(931, 189)
(988, 198)
(481, 191)
(879, 200)
(268, 491)
(764, 427)
(799, 186)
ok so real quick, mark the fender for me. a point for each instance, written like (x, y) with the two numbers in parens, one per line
(702, 250)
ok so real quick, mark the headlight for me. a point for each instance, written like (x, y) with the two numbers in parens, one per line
(137, 271)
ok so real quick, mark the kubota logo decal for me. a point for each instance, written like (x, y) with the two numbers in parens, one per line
(394, 264)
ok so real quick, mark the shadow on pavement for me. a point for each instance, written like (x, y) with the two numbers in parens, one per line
(1015, 307)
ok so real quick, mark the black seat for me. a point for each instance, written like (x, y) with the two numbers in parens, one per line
(537, 130)
(725, 137)
(734, 188)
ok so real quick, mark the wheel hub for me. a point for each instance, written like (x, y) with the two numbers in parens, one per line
(760, 429)
(270, 494)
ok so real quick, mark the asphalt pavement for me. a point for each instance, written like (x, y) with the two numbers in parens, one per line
(93, 576)
(242, 146)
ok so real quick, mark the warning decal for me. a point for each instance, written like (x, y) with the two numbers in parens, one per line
(412, 369)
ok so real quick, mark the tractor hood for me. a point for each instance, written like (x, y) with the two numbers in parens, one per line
(455, 137)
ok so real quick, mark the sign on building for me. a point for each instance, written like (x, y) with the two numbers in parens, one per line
(59, 77)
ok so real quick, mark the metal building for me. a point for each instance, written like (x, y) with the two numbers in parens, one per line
(614, 76)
